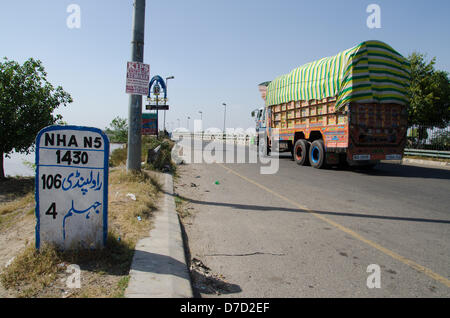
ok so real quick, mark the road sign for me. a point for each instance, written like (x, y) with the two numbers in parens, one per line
(150, 124)
(157, 107)
(138, 77)
(72, 187)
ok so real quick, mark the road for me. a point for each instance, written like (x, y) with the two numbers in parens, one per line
(304, 232)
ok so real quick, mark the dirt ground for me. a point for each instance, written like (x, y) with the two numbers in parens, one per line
(17, 228)
(17, 231)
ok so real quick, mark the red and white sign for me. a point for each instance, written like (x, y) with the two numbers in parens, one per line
(138, 77)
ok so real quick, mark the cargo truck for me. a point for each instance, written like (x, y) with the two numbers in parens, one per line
(349, 108)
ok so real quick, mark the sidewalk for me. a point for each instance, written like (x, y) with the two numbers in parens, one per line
(159, 268)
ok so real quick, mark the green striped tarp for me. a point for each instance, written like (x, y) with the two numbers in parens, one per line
(371, 72)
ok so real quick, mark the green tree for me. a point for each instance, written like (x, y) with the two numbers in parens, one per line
(118, 130)
(27, 103)
(429, 93)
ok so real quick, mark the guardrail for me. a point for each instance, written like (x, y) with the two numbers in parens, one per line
(427, 153)
(238, 139)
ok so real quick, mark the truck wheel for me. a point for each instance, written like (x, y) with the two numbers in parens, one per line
(300, 152)
(317, 154)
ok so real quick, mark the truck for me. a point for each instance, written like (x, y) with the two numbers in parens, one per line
(350, 108)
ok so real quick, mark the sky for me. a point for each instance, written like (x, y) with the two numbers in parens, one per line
(217, 50)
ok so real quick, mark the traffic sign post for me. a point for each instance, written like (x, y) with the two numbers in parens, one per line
(157, 107)
(72, 187)
(150, 124)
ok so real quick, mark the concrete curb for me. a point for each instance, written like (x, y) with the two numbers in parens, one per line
(159, 268)
(419, 162)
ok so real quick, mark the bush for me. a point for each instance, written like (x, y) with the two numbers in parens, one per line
(118, 157)
(163, 161)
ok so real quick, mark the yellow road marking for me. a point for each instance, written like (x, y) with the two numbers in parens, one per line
(382, 249)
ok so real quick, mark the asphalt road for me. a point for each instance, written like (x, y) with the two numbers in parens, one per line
(303, 232)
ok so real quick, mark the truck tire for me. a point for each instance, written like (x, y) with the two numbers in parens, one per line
(317, 154)
(300, 152)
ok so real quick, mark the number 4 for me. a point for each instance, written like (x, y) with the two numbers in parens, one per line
(52, 210)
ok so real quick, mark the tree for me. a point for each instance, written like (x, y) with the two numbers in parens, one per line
(27, 103)
(429, 93)
(118, 130)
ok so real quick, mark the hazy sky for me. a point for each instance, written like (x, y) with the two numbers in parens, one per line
(218, 51)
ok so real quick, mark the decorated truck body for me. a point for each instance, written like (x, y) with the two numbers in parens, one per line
(349, 108)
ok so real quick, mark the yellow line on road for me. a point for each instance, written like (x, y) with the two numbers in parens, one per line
(382, 249)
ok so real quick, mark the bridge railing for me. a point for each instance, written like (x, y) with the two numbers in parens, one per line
(427, 153)
(228, 138)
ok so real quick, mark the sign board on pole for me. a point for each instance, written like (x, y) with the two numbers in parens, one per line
(157, 107)
(138, 77)
(150, 124)
(72, 187)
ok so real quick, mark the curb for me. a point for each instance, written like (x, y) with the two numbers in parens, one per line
(159, 268)
(420, 162)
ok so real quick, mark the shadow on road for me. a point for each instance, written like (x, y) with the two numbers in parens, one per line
(392, 170)
(405, 171)
(250, 207)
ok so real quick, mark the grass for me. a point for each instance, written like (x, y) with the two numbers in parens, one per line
(17, 196)
(104, 272)
(124, 212)
(13, 188)
(19, 203)
(181, 206)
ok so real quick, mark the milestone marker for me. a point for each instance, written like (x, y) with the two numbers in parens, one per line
(72, 187)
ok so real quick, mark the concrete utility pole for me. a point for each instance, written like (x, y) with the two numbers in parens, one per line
(224, 117)
(167, 80)
(135, 101)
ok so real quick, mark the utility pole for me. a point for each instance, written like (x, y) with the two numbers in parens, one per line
(224, 117)
(201, 121)
(135, 101)
(167, 80)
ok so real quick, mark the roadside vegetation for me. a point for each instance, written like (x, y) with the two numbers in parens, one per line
(104, 273)
(16, 200)
(163, 162)
(181, 205)
(27, 104)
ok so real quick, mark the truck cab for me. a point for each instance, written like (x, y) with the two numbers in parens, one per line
(260, 120)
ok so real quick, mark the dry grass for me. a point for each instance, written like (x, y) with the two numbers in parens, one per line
(104, 273)
(124, 211)
(16, 201)
(19, 203)
(31, 271)
(181, 205)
